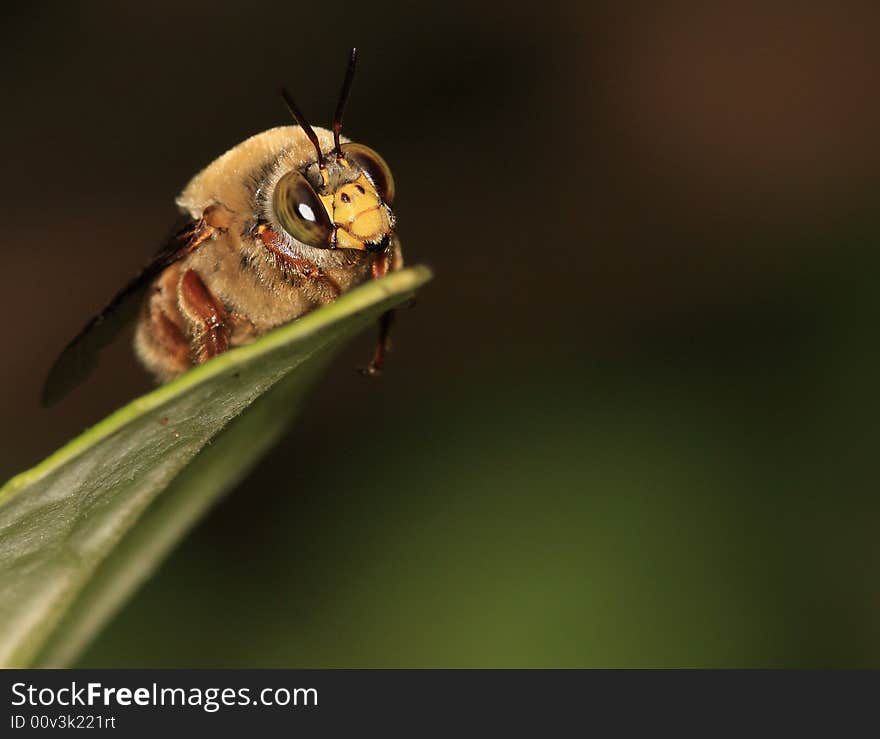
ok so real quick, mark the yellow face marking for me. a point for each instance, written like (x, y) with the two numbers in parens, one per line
(356, 209)
(345, 240)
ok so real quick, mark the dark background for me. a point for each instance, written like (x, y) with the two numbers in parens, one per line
(634, 419)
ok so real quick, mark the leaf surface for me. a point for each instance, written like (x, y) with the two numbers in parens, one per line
(81, 530)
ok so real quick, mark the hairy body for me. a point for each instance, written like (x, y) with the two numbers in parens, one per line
(284, 222)
(245, 275)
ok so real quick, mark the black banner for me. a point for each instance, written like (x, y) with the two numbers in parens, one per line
(414, 702)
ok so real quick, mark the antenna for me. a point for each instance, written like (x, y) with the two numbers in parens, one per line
(343, 99)
(304, 124)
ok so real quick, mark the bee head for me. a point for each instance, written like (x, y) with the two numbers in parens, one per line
(343, 203)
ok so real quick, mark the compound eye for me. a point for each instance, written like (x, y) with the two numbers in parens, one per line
(375, 168)
(300, 211)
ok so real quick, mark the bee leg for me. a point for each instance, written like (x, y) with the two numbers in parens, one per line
(324, 288)
(160, 338)
(209, 322)
(390, 261)
(383, 345)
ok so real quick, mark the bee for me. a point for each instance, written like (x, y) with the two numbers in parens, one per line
(283, 223)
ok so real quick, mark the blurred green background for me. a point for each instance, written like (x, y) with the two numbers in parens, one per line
(634, 419)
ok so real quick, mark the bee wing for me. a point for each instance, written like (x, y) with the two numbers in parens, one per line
(80, 356)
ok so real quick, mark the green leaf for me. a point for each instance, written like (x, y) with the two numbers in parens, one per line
(81, 530)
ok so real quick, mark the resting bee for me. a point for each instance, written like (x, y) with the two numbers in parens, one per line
(284, 222)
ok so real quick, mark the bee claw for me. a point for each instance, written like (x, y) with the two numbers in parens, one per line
(371, 370)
